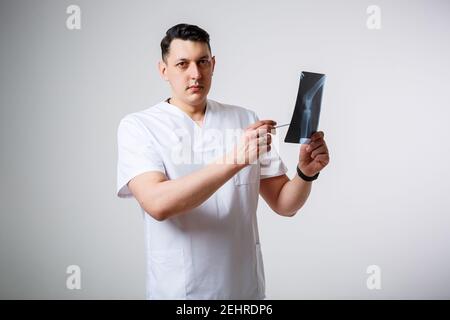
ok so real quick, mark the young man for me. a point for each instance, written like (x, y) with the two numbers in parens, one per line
(200, 216)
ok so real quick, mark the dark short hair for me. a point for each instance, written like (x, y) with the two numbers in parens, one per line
(183, 31)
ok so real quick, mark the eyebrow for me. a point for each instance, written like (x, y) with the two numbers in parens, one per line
(184, 59)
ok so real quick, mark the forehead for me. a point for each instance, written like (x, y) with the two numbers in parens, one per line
(186, 49)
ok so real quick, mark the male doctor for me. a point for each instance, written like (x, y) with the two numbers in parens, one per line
(200, 219)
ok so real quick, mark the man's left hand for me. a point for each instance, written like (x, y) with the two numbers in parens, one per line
(314, 156)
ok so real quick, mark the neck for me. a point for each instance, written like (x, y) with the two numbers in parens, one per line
(196, 112)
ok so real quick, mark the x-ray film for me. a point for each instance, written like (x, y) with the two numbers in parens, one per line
(305, 119)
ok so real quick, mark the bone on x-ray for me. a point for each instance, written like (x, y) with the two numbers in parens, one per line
(305, 119)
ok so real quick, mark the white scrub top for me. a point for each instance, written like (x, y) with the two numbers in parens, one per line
(213, 251)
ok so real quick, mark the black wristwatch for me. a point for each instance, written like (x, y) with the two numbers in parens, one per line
(305, 177)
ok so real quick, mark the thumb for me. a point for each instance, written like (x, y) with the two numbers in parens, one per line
(303, 149)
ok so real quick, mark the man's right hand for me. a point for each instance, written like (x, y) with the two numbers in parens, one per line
(254, 142)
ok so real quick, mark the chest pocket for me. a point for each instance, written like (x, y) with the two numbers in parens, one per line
(247, 175)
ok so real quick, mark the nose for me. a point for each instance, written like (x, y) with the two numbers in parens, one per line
(194, 71)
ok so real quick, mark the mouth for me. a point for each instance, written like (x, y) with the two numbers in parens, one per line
(195, 88)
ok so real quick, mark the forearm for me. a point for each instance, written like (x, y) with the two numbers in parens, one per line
(188, 192)
(293, 196)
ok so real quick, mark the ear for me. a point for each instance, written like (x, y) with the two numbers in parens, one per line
(162, 67)
(213, 59)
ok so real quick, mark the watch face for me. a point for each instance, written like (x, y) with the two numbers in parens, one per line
(305, 119)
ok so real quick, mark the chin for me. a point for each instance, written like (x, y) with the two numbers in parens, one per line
(196, 98)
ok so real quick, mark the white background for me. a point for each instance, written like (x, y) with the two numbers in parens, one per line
(383, 200)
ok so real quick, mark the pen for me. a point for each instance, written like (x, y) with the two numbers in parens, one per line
(282, 125)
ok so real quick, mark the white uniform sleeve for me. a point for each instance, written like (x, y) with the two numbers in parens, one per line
(270, 162)
(136, 154)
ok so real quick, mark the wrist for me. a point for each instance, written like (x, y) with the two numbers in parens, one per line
(232, 160)
(307, 176)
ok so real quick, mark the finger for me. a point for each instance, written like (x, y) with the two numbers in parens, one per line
(263, 149)
(320, 150)
(260, 123)
(304, 149)
(266, 128)
(263, 140)
(252, 134)
(323, 158)
(256, 135)
(317, 135)
(315, 144)
(260, 131)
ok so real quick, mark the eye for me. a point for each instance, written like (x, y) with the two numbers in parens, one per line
(181, 64)
(203, 62)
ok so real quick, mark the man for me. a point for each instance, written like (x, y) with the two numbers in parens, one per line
(200, 217)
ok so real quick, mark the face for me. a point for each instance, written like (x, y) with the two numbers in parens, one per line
(188, 69)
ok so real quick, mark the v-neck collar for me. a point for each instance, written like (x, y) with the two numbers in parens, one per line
(174, 107)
